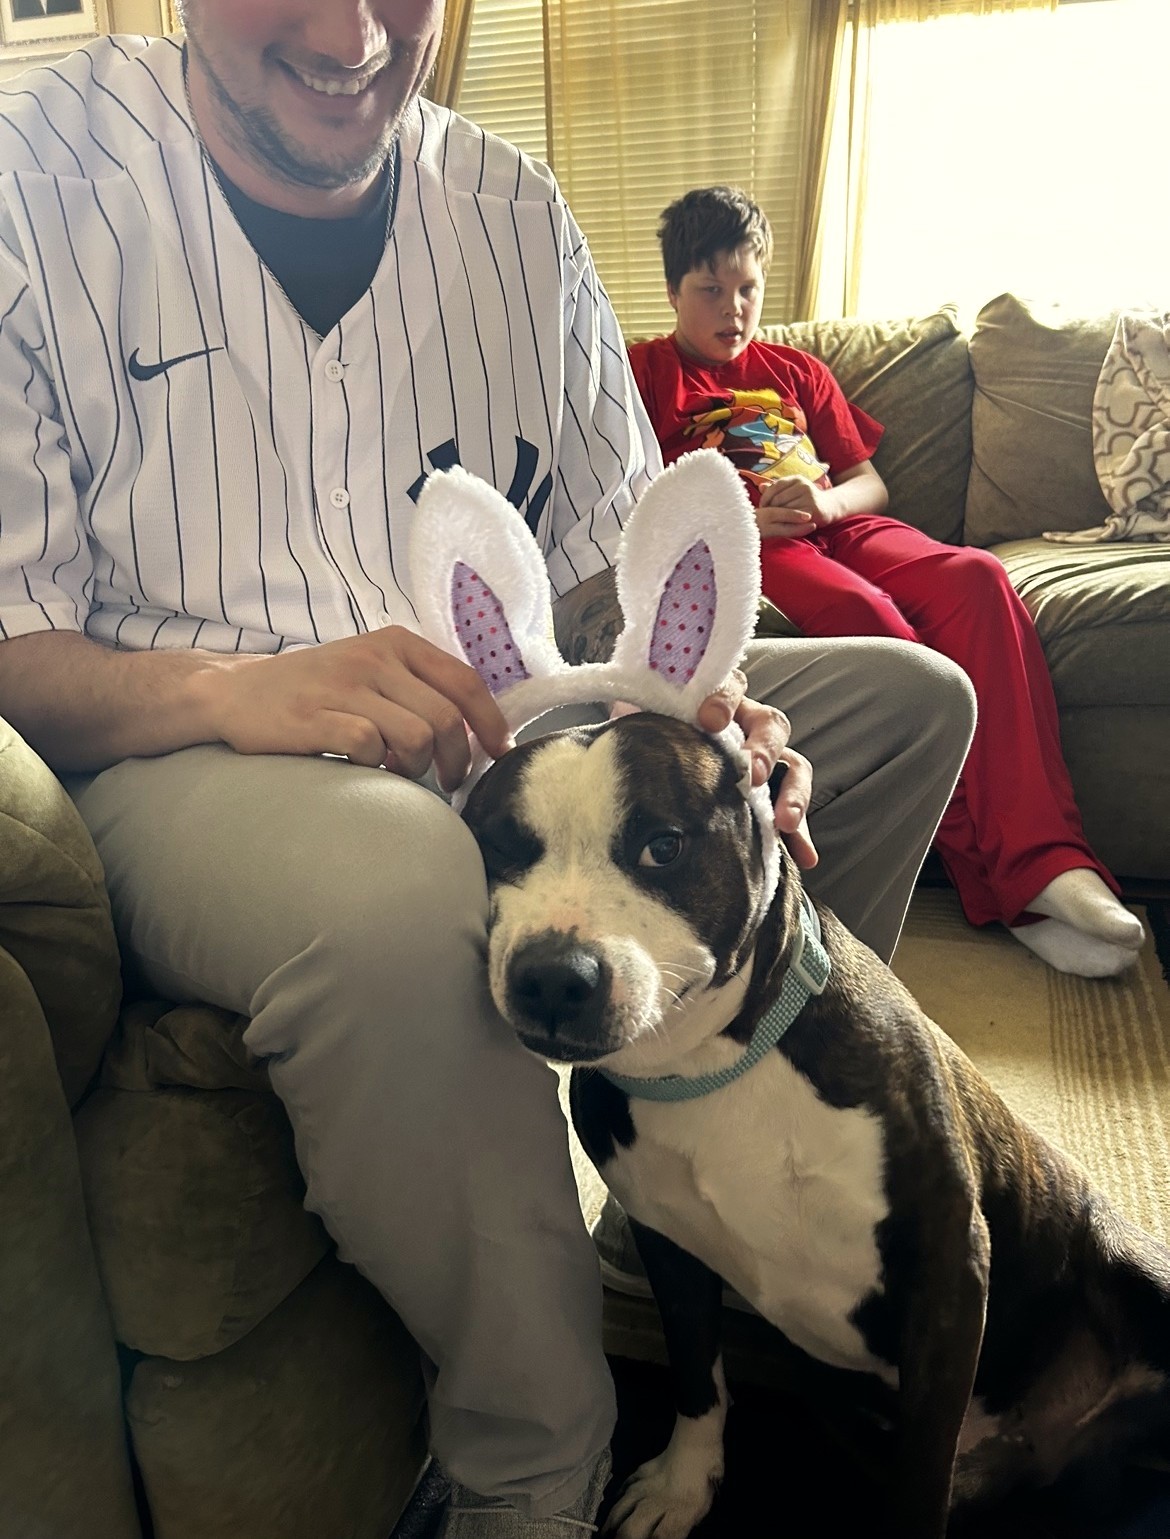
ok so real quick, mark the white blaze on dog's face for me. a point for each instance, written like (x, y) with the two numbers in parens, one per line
(626, 878)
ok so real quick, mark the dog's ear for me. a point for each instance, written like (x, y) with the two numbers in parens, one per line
(688, 583)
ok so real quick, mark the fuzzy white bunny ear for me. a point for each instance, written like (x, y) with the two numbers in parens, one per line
(480, 583)
(688, 580)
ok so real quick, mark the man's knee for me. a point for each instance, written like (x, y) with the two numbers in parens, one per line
(224, 868)
(928, 693)
(892, 689)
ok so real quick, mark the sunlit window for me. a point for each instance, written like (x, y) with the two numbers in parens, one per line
(1022, 152)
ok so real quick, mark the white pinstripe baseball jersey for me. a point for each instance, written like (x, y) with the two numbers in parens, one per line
(184, 462)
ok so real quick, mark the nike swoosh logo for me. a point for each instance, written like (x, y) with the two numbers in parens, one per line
(152, 370)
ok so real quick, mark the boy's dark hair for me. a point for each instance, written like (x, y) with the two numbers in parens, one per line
(706, 222)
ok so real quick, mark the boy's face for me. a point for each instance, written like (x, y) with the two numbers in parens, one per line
(718, 307)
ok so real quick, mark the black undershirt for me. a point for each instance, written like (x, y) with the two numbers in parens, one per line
(323, 265)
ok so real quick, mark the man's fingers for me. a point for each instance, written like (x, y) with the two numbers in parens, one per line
(459, 683)
(791, 806)
(801, 847)
(344, 733)
(420, 727)
(724, 706)
(766, 732)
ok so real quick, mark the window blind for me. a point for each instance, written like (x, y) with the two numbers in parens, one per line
(504, 78)
(645, 99)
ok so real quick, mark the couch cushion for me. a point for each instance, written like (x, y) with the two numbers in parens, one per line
(196, 1206)
(161, 1046)
(54, 913)
(1117, 759)
(1103, 615)
(914, 377)
(63, 1466)
(1035, 369)
(312, 1427)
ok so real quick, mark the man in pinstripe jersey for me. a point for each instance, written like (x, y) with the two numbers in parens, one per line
(252, 292)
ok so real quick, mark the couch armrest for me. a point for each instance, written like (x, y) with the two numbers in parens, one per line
(54, 912)
(64, 1469)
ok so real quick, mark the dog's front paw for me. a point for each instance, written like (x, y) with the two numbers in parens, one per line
(665, 1498)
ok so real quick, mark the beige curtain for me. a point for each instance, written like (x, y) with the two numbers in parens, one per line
(836, 291)
(447, 75)
(827, 35)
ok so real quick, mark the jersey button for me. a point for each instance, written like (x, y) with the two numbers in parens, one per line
(334, 370)
(339, 497)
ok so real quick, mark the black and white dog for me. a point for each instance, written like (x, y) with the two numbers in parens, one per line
(861, 1184)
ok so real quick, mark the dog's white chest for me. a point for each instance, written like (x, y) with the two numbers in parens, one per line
(774, 1189)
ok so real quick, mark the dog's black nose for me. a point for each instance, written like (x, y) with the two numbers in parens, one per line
(558, 985)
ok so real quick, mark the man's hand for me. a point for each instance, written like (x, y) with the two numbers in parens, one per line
(766, 732)
(389, 698)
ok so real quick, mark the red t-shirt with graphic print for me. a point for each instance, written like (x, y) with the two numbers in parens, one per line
(773, 410)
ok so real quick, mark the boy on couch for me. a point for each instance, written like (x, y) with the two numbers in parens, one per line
(1012, 844)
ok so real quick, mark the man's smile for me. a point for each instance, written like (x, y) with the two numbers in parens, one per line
(335, 85)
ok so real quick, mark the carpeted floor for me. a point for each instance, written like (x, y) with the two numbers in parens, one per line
(1088, 1063)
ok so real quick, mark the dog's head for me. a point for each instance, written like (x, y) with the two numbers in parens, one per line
(628, 884)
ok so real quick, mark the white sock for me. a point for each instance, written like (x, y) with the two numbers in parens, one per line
(1072, 951)
(1080, 900)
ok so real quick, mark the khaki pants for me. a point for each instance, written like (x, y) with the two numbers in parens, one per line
(343, 910)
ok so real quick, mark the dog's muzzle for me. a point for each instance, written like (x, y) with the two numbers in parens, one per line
(558, 997)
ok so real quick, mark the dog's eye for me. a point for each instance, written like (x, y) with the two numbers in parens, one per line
(662, 849)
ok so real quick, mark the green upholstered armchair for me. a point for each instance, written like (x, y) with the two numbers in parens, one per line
(182, 1353)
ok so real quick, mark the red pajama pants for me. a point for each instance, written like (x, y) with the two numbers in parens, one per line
(1012, 824)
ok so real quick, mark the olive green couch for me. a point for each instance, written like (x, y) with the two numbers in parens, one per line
(988, 442)
(181, 1350)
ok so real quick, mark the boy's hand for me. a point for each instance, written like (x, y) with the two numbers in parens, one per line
(793, 505)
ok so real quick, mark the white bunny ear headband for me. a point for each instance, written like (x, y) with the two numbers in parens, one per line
(688, 582)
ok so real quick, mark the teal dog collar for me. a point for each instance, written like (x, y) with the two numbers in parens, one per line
(808, 972)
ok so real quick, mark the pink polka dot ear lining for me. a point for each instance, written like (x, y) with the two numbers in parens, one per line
(483, 631)
(686, 616)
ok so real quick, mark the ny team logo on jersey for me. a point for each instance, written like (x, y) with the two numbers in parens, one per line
(446, 454)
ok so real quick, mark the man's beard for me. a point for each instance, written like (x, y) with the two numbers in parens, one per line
(257, 135)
